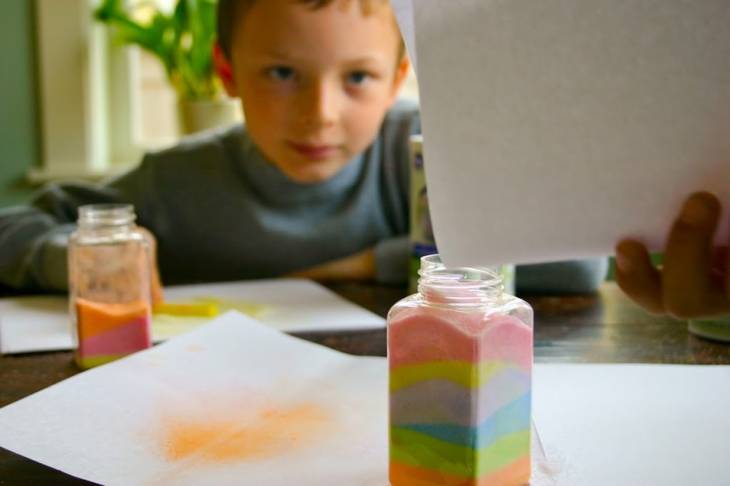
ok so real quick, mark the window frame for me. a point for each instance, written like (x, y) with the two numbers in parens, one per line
(86, 102)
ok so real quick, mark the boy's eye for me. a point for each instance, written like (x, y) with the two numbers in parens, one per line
(358, 77)
(280, 73)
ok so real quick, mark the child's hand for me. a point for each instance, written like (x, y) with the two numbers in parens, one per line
(694, 281)
(155, 284)
(360, 266)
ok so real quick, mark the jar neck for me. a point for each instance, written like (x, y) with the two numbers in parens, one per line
(106, 217)
(462, 286)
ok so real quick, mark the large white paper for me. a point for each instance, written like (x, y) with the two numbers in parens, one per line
(634, 425)
(41, 323)
(553, 128)
(233, 402)
(600, 424)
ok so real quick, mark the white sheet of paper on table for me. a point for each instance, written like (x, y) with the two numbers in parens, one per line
(553, 128)
(126, 422)
(600, 424)
(41, 323)
(634, 425)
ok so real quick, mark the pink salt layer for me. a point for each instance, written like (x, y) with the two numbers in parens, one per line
(98, 318)
(429, 334)
(124, 339)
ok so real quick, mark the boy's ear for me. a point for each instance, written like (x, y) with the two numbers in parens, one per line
(224, 70)
(401, 73)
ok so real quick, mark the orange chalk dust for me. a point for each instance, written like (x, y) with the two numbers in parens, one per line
(271, 432)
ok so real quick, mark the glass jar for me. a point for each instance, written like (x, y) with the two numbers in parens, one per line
(460, 368)
(109, 265)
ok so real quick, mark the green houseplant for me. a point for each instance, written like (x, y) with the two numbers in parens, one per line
(182, 40)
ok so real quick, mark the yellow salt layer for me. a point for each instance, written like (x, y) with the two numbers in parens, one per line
(463, 373)
(187, 309)
(87, 362)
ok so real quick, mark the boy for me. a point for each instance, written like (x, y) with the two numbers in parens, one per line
(315, 185)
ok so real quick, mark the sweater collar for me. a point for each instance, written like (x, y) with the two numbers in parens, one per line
(273, 186)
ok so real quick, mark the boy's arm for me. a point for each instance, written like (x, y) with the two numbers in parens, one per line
(385, 263)
(566, 277)
(34, 238)
(357, 267)
(391, 260)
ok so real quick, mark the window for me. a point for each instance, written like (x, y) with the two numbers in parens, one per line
(155, 121)
(82, 79)
(102, 104)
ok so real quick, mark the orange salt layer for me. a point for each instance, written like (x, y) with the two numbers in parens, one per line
(419, 336)
(514, 474)
(95, 318)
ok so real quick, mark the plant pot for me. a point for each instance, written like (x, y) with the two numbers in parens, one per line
(199, 115)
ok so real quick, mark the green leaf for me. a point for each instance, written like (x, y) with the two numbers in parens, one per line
(182, 41)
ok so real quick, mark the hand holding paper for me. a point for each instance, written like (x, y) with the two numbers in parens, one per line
(694, 281)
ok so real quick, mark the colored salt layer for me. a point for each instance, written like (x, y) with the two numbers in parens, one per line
(459, 398)
(109, 331)
(472, 339)
(457, 404)
(511, 474)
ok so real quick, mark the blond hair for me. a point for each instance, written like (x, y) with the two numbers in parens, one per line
(230, 12)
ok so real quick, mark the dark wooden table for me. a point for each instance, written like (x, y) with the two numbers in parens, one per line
(602, 328)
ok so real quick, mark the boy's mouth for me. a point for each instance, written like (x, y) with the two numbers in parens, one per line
(314, 152)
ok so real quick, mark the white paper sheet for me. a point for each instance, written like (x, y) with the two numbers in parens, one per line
(553, 128)
(42, 324)
(634, 425)
(233, 402)
(600, 424)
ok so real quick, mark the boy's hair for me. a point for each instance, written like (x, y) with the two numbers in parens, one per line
(230, 11)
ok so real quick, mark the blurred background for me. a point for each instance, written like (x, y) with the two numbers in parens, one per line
(88, 86)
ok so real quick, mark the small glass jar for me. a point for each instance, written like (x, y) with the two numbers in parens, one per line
(460, 368)
(109, 284)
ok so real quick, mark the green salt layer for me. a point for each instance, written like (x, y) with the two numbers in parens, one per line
(417, 449)
(87, 362)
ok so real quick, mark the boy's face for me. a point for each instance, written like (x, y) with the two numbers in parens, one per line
(315, 83)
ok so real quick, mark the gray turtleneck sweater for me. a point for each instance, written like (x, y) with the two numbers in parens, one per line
(220, 211)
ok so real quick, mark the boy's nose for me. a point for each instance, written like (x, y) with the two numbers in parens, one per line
(320, 105)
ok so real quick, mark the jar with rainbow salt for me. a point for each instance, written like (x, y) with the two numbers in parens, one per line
(460, 366)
